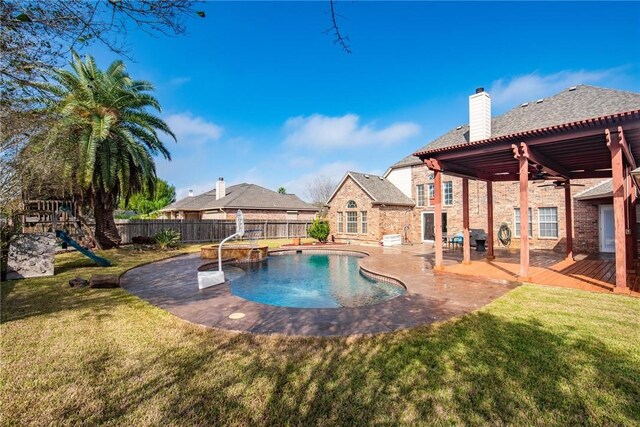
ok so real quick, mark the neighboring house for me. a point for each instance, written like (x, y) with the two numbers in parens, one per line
(256, 203)
(593, 215)
(365, 207)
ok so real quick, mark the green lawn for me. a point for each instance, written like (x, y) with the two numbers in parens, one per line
(537, 356)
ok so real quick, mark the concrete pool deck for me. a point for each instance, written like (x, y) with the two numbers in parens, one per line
(172, 284)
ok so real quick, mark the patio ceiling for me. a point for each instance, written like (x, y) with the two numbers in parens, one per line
(569, 151)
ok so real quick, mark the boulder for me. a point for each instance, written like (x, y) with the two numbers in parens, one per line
(104, 281)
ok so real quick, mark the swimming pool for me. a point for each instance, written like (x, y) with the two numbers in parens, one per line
(309, 281)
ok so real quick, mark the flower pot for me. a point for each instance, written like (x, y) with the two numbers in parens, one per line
(296, 241)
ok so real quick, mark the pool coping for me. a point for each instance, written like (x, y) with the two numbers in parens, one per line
(427, 298)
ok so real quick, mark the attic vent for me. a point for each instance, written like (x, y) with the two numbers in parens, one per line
(539, 101)
(525, 104)
(459, 127)
(381, 178)
(366, 176)
(573, 88)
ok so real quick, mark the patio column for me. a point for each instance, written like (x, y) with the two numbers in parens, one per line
(519, 153)
(466, 243)
(617, 172)
(490, 254)
(568, 218)
(631, 222)
(437, 220)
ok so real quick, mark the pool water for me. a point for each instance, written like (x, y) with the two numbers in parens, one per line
(310, 281)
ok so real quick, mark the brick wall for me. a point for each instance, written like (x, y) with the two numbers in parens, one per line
(506, 197)
(249, 214)
(259, 214)
(380, 219)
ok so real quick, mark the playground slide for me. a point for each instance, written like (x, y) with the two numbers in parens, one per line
(86, 252)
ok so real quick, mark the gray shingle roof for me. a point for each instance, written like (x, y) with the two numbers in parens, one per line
(379, 189)
(600, 190)
(242, 196)
(583, 102)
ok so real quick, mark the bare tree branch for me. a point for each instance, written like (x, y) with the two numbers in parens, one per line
(341, 40)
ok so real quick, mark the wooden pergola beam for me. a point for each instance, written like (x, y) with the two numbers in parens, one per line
(457, 170)
(545, 163)
(625, 148)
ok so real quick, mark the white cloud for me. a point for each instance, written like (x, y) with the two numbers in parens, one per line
(529, 87)
(190, 129)
(319, 131)
(334, 170)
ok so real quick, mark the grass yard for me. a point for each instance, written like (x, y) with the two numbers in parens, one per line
(537, 356)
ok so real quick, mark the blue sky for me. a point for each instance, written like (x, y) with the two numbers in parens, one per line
(257, 92)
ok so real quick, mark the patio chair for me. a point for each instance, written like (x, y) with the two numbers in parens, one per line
(457, 240)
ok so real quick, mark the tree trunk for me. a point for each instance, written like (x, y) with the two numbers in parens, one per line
(107, 235)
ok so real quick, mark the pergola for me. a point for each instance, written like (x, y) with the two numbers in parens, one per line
(601, 147)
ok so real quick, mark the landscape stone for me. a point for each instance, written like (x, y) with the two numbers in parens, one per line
(31, 255)
(104, 281)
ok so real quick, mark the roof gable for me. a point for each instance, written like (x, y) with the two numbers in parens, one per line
(379, 189)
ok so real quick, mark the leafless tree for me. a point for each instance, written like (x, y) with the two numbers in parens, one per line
(320, 189)
(339, 39)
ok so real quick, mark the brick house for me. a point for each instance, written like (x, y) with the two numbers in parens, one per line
(256, 203)
(592, 230)
(365, 207)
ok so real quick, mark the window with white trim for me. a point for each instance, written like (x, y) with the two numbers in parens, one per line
(420, 195)
(516, 222)
(548, 222)
(363, 222)
(431, 193)
(340, 222)
(447, 192)
(351, 204)
(352, 222)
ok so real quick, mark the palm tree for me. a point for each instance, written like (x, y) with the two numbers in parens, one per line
(104, 116)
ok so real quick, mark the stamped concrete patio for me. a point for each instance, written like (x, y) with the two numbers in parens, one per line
(172, 285)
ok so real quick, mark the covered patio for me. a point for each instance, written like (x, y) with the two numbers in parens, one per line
(601, 147)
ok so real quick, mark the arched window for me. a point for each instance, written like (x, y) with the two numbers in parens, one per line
(351, 204)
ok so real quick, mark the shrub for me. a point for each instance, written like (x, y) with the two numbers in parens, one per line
(319, 229)
(167, 239)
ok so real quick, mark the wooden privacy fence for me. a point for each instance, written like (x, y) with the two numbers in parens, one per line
(209, 230)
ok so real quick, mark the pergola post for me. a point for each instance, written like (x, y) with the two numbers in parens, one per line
(519, 153)
(437, 220)
(633, 219)
(466, 243)
(490, 254)
(631, 235)
(617, 172)
(568, 218)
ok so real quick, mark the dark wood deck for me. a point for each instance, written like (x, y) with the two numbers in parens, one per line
(592, 273)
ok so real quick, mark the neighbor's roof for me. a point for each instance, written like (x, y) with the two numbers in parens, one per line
(598, 191)
(241, 196)
(571, 105)
(378, 188)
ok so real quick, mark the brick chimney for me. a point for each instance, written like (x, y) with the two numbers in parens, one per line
(479, 115)
(221, 191)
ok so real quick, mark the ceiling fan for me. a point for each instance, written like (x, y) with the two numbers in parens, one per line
(560, 184)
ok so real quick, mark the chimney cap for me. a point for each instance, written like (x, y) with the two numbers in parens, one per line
(221, 179)
(479, 90)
